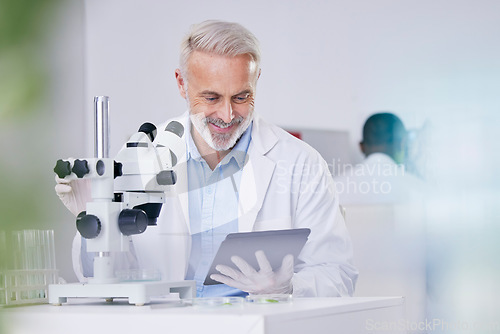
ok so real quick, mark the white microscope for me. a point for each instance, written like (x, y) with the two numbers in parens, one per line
(127, 195)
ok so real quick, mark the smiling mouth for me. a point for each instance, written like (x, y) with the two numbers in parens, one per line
(219, 129)
(219, 126)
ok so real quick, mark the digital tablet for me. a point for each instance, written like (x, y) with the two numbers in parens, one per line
(275, 244)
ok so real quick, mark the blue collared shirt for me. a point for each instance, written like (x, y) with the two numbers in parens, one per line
(213, 209)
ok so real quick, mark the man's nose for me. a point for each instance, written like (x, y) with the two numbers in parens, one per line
(225, 112)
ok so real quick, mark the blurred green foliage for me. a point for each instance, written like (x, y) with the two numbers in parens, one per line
(24, 25)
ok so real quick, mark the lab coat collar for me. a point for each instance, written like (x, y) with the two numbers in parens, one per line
(379, 158)
(256, 175)
(263, 138)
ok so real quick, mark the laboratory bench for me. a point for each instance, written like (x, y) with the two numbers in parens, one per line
(342, 315)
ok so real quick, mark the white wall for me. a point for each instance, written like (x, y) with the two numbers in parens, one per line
(66, 130)
(326, 64)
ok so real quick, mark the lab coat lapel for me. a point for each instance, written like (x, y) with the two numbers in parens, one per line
(256, 175)
(173, 239)
(182, 191)
(182, 185)
(177, 196)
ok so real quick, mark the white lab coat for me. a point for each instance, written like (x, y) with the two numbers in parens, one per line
(378, 180)
(285, 184)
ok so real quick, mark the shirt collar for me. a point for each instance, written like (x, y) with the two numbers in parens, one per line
(238, 152)
(191, 149)
(379, 158)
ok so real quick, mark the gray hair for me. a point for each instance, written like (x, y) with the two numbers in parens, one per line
(219, 37)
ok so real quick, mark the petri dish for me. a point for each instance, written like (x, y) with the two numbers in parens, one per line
(269, 299)
(218, 302)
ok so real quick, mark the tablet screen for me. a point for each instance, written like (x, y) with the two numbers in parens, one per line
(275, 244)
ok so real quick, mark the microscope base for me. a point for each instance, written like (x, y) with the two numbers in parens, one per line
(138, 293)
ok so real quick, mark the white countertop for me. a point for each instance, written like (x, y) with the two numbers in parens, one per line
(326, 315)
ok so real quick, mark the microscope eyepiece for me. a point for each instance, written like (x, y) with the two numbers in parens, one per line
(149, 129)
(175, 127)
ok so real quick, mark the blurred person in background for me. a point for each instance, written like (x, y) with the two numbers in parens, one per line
(382, 177)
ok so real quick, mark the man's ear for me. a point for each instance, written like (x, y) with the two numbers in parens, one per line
(362, 147)
(181, 83)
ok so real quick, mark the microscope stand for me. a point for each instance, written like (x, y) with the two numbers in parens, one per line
(138, 293)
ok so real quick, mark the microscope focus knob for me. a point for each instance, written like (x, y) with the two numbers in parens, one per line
(132, 221)
(117, 169)
(89, 226)
(80, 168)
(62, 168)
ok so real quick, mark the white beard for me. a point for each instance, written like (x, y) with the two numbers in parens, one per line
(220, 142)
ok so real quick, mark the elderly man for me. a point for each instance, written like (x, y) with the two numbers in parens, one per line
(241, 174)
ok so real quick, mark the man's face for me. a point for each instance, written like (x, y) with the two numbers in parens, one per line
(220, 93)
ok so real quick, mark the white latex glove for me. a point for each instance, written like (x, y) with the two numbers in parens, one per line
(74, 194)
(264, 281)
